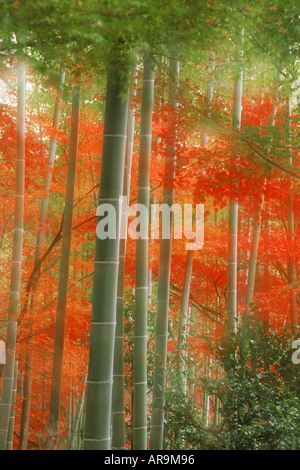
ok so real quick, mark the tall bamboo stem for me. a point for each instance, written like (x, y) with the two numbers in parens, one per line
(77, 417)
(118, 395)
(57, 366)
(183, 317)
(141, 272)
(161, 330)
(11, 426)
(102, 338)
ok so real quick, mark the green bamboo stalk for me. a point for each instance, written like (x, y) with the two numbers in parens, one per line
(206, 395)
(233, 213)
(69, 418)
(21, 384)
(81, 427)
(25, 417)
(83, 424)
(150, 282)
(183, 317)
(15, 281)
(11, 426)
(118, 396)
(253, 255)
(141, 271)
(209, 96)
(161, 330)
(77, 417)
(64, 267)
(102, 339)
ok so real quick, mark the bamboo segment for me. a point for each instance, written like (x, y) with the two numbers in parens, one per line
(11, 426)
(15, 281)
(161, 330)
(64, 266)
(141, 272)
(102, 339)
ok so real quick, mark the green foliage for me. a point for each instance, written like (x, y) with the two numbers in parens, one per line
(258, 392)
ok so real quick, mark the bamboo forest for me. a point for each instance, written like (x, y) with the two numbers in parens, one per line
(150, 225)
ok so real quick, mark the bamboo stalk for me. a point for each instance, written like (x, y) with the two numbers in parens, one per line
(183, 317)
(233, 213)
(102, 338)
(141, 272)
(11, 426)
(118, 395)
(291, 267)
(161, 329)
(77, 417)
(64, 267)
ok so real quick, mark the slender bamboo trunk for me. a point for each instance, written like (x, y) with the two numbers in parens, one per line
(102, 339)
(183, 317)
(209, 96)
(77, 417)
(38, 251)
(233, 217)
(207, 397)
(83, 424)
(64, 267)
(161, 331)
(150, 282)
(141, 271)
(253, 254)
(69, 424)
(11, 426)
(15, 281)
(118, 397)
